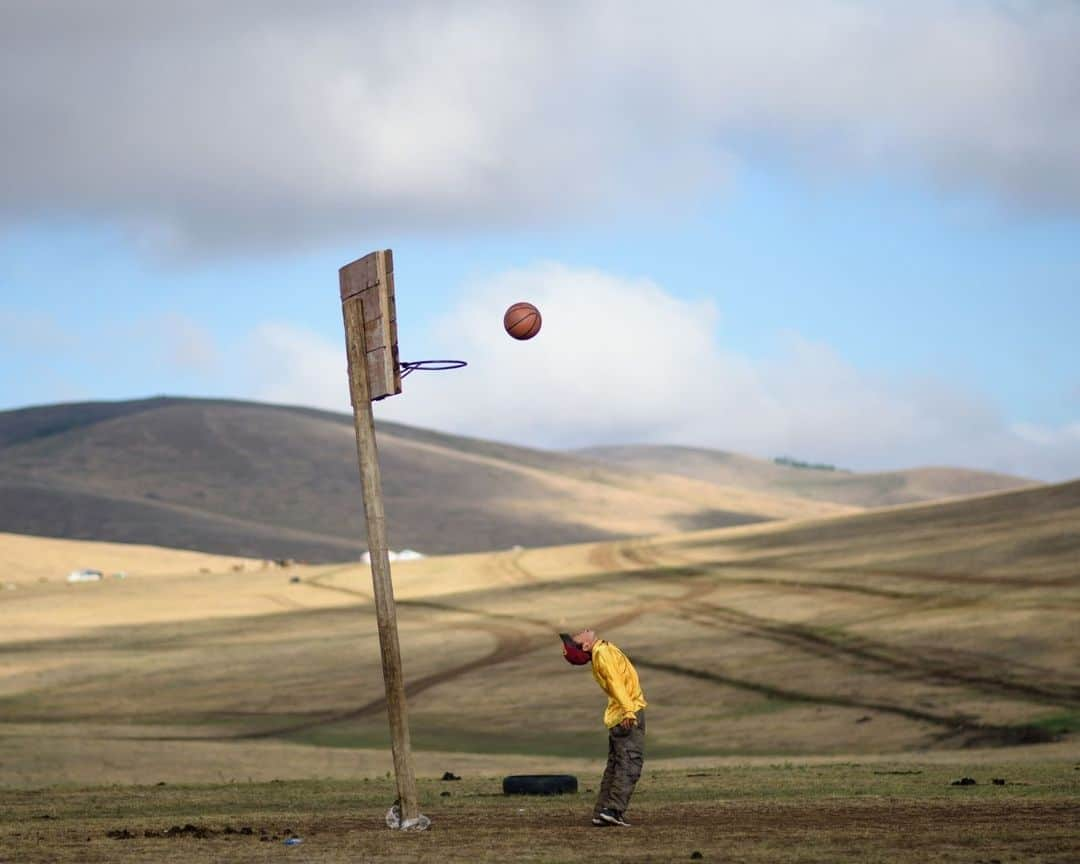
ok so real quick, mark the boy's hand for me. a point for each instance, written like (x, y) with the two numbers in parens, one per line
(628, 723)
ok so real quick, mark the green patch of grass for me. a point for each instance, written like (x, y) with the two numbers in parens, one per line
(436, 735)
(1061, 723)
(760, 707)
(441, 737)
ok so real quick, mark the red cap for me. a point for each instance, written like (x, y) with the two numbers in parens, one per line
(573, 652)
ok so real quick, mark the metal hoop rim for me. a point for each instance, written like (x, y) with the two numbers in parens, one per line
(430, 366)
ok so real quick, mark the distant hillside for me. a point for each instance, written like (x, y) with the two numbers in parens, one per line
(242, 478)
(841, 487)
(869, 637)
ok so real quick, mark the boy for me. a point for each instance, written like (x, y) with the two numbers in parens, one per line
(624, 719)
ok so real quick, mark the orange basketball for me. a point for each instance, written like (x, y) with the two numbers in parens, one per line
(522, 321)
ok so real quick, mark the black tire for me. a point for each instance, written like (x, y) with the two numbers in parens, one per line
(539, 784)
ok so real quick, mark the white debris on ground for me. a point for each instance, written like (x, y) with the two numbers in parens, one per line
(403, 555)
(394, 821)
(85, 575)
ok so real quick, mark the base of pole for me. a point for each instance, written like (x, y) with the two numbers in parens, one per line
(394, 821)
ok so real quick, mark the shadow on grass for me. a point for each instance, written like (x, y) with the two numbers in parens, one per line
(432, 736)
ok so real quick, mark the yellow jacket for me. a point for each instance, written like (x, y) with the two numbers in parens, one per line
(617, 677)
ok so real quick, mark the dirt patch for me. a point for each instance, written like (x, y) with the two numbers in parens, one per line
(202, 832)
(844, 830)
(784, 814)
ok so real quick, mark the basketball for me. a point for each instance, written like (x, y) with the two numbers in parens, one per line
(522, 320)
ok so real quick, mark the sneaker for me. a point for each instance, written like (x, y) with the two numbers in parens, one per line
(614, 817)
(598, 822)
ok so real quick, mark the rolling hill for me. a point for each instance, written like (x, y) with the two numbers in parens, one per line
(871, 489)
(938, 629)
(267, 481)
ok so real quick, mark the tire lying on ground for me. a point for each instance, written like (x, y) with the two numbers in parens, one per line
(539, 784)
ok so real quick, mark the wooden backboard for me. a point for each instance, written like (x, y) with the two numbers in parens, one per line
(369, 281)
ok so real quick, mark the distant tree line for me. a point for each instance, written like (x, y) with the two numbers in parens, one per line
(796, 463)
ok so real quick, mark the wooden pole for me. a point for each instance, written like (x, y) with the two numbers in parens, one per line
(364, 420)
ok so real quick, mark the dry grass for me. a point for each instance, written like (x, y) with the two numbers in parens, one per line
(271, 481)
(839, 486)
(25, 559)
(776, 813)
(926, 628)
(620, 503)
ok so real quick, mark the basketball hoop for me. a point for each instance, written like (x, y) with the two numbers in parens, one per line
(430, 366)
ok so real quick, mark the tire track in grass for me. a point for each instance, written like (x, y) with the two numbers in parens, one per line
(809, 639)
(952, 667)
(510, 644)
(662, 556)
(955, 667)
(659, 552)
(316, 581)
(284, 602)
(955, 724)
(782, 564)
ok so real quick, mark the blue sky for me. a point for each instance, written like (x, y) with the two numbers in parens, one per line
(863, 264)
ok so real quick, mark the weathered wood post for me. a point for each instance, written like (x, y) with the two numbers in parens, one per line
(367, 306)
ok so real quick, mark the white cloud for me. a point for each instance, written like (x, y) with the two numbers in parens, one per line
(185, 345)
(1044, 451)
(289, 365)
(242, 124)
(622, 361)
(1045, 435)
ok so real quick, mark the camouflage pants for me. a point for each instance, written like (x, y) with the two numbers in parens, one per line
(626, 756)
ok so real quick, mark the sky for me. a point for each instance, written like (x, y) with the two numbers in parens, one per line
(837, 231)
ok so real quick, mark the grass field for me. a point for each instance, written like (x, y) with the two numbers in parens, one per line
(790, 668)
(888, 812)
(839, 486)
